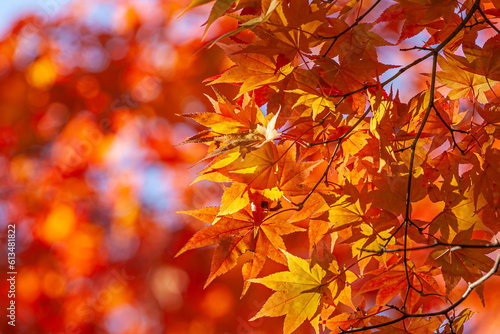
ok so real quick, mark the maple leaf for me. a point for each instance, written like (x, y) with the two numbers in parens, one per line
(485, 175)
(462, 263)
(256, 169)
(462, 82)
(252, 70)
(369, 237)
(298, 293)
(459, 211)
(361, 43)
(234, 199)
(268, 244)
(193, 4)
(391, 191)
(314, 207)
(292, 175)
(232, 126)
(299, 20)
(483, 61)
(342, 322)
(317, 103)
(361, 318)
(490, 113)
(348, 76)
(344, 213)
(381, 110)
(206, 215)
(418, 14)
(423, 325)
(287, 35)
(231, 233)
(459, 320)
(392, 281)
(235, 130)
(449, 112)
(278, 97)
(237, 233)
(269, 132)
(250, 23)
(219, 8)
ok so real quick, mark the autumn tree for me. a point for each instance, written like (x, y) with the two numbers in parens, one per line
(390, 167)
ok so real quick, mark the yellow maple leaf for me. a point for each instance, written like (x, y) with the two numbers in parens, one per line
(298, 293)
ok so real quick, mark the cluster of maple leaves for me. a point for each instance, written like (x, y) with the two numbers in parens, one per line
(317, 141)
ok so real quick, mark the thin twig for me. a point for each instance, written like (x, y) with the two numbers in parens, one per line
(436, 244)
(487, 19)
(444, 311)
(336, 37)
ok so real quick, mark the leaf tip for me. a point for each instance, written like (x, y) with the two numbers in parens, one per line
(179, 252)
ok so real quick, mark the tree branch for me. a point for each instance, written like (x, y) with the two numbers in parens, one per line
(336, 37)
(383, 250)
(444, 311)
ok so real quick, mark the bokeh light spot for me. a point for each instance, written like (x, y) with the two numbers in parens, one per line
(28, 285)
(42, 73)
(88, 86)
(59, 224)
(218, 301)
(54, 284)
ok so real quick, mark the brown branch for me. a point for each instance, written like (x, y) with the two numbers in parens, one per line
(416, 48)
(452, 131)
(301, 204)
(414, 143)
(444, 311)
(487, 19)
(345, 134)
(336, 37)
(413, 147)
(436, 244)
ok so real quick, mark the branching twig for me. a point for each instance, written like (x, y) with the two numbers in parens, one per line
(452, 131)
(487, 19)
(336, 37)
(416, 48)
(383, 250)
(444, 311)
